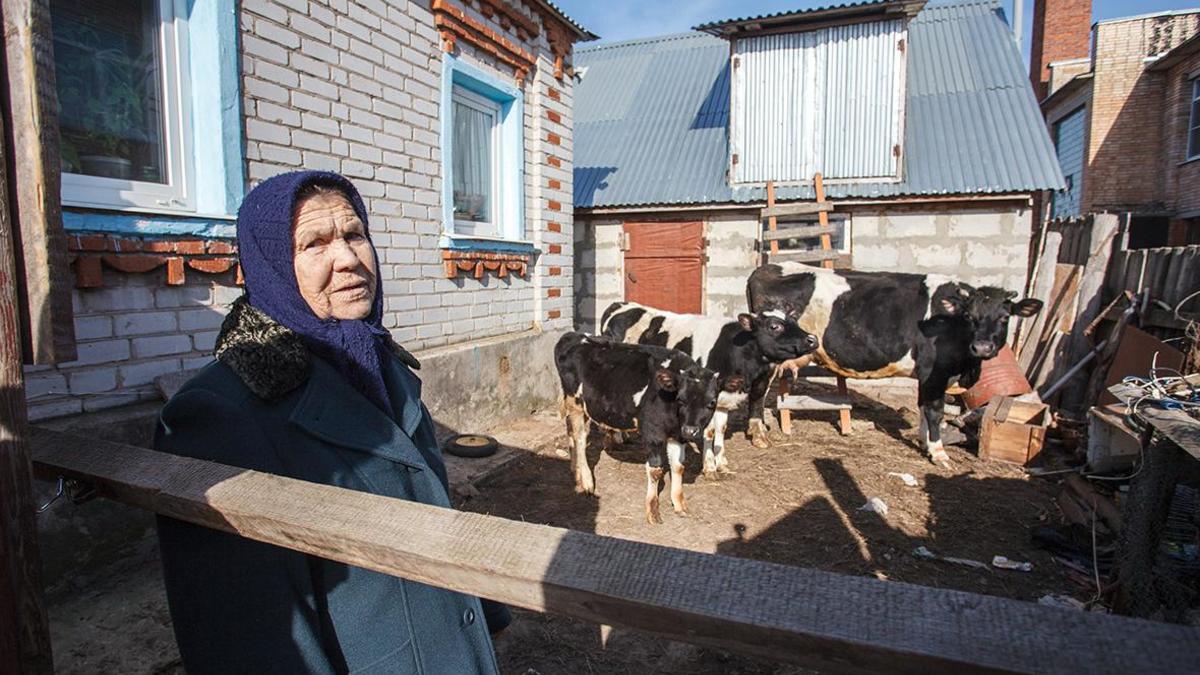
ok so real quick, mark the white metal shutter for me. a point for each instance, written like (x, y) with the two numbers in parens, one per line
(829, 100)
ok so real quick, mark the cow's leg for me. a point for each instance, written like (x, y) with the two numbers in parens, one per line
(675, 458)
(654, 474)
(721, 421)
(756, 429)
(577, 433)
(710, 439)
(932, 402)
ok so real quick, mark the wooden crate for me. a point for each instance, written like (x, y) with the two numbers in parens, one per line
(1013, 430)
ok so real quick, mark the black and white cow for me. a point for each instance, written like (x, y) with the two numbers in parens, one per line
(660, 393)
(883, 324)
(749, 345)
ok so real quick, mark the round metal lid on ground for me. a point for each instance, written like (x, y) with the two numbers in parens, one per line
(471, 445)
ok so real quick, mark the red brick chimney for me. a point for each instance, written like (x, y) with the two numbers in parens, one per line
(1062, 29)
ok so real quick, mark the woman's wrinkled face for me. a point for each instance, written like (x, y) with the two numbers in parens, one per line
(334, 260)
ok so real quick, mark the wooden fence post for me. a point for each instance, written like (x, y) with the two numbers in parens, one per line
(24, 636)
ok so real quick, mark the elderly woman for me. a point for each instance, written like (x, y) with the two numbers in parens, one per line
(307, 384)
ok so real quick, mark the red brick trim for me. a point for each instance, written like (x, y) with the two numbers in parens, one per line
(554, 248)
(526, 28)
(553, 161)
(554, 292)
(454, 24)
(134, 255)
(553, 227)
(480, 262)
(554, 184)
(553, 93)
(553, 138)
(554, 314)
(553, 205)
(553, 117)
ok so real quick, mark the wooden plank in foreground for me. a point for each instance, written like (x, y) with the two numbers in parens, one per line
(814, 402)
(805, 256)
(791, 614)
(800, 232)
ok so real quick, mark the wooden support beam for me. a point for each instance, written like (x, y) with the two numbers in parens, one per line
(815, 255)
(801, 232)
(24, 636)
(795, 209)
(34, 185)
(823, 218)
(791, 614)
(814, 402)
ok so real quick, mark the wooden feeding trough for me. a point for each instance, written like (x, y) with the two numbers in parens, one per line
(1013, 430)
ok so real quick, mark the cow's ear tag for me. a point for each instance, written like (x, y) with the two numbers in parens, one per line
(950, 305)
(666, 379)
(747, 321)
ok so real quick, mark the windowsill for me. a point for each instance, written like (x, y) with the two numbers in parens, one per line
(458, 242)
(145, 223)
(1189, 160)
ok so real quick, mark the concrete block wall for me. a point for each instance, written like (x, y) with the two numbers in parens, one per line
(984, 245)
(129, 332)
(599, 270)
(980, 244)
(1126, 170)
(731, 257)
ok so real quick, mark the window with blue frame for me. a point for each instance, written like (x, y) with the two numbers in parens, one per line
(482, 158)
(138, 84)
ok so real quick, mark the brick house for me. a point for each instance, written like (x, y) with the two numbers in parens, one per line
(452, 117)
(920, 118)
(1123, 117)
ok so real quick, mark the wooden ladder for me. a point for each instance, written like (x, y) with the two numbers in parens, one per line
(786, 403)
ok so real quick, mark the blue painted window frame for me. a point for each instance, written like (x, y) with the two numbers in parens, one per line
(217, 168)
(512, 236)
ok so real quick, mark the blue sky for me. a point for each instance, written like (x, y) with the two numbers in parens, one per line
(615, 20)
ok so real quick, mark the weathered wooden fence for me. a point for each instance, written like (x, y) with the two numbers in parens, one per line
(1168, 274)
(808, 617)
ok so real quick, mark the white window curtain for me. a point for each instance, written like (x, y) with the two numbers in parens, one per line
(473, 167)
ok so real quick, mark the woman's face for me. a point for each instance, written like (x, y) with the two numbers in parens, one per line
(334, 261)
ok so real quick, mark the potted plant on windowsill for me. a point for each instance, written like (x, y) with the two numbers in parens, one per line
(106, 133)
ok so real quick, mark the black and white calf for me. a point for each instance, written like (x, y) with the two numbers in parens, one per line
(883, 324)
(749, 345)
(660, 393)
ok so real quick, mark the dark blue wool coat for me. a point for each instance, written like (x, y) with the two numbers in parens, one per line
(241, 606)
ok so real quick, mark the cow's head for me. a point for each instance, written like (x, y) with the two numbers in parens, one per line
(696, 390)
(778, 335)
(986, 311)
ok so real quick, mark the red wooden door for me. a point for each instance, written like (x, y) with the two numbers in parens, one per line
(664, 265)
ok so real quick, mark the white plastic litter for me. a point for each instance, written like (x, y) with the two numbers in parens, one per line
(875, 505)
(1061, 601)
(1006, 564)
(908, 478)
(922, 552)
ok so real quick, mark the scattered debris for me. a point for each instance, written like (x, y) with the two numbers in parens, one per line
(1006, 564)
(922, 552)
(875, 505)
(908, 478)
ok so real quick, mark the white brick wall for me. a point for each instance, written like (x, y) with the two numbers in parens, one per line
(351, 86)
(129, 332)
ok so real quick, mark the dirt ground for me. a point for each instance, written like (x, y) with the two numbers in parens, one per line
(795, 503)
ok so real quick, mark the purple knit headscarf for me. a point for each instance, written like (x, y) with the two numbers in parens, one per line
(357, 349)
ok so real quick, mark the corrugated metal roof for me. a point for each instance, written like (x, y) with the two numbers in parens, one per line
(848, 8)
(652, 117)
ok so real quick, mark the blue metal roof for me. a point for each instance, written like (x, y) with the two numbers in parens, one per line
(652, 117)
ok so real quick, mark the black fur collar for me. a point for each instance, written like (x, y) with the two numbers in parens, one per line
(267, 356)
